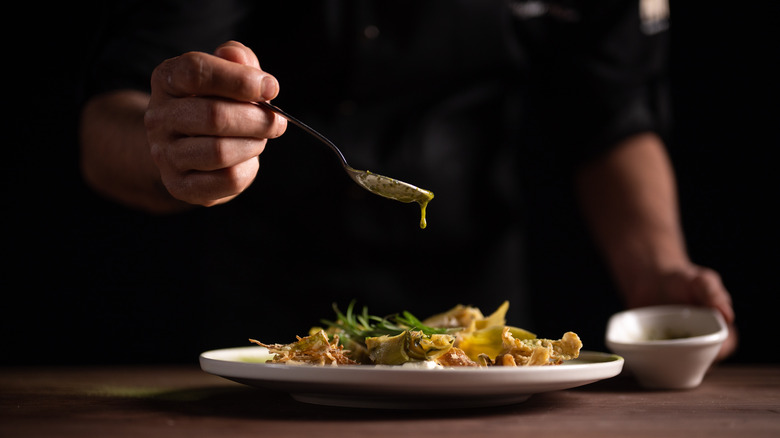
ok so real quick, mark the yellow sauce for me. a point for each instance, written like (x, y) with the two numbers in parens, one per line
(393, 189)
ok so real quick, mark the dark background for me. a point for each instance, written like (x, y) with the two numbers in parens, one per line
(57, 234)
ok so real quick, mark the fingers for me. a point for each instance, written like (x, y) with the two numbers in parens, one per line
(198, 116)
(197, 73)
(203, 130)
(729, 345)
(205, 154)
(238, 53)
(208, 170)
(704, 287)
(707, 289)
(207, 149)
(693, 285)
(214, 187)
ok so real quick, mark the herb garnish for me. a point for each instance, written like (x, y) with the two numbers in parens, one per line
(356, 327)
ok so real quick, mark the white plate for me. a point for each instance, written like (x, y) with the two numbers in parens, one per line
(398, 387)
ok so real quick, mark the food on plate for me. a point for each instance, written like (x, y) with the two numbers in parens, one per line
(316, 349)
(407, 346)
(461, 336)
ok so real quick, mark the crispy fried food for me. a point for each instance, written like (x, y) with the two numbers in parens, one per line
(472, 340)
(455, 357)
(523, 352)
(468, 318)
(459, 316)
(315, 349)
(489, 340)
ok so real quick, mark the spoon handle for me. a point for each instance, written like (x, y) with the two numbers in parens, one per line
(305, 127)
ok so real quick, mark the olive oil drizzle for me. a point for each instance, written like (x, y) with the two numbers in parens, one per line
(392, 188)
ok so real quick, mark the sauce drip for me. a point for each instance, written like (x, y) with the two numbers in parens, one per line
(393, 189)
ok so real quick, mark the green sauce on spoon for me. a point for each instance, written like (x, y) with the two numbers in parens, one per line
(393, 189)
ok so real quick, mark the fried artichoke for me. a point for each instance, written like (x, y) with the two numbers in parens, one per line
(461, 336)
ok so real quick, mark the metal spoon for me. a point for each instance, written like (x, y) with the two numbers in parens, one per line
(378, 184)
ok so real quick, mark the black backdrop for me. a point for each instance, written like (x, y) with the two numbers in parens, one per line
(725, 94)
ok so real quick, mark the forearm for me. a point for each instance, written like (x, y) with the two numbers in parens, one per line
(115, 158)
(629, 198)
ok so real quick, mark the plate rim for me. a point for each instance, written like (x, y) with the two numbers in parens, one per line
(383, 386)
(227, 363)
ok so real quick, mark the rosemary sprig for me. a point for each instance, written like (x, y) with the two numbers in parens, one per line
(356, 327)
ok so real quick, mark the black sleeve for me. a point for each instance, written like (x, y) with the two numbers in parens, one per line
(134, 36)
(597, 74)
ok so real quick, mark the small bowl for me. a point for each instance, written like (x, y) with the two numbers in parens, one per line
(667, 347)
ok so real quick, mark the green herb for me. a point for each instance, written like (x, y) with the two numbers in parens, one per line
(356, 327)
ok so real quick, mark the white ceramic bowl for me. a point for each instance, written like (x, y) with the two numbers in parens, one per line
(669, 347)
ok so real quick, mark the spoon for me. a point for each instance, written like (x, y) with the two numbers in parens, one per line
(373, 182)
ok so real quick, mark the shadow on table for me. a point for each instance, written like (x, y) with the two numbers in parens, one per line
(624, 382)
(254, 403)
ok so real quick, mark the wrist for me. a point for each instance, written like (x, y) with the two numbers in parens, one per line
(115, 158)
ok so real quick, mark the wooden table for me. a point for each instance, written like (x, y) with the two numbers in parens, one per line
(183, 401)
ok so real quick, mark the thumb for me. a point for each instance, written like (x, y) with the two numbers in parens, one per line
(708, 289)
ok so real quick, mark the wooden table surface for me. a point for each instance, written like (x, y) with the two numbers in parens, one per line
(174, 401)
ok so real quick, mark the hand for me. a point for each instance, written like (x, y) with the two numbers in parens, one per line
(629, 197)
(204, 133)
(696, 285)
